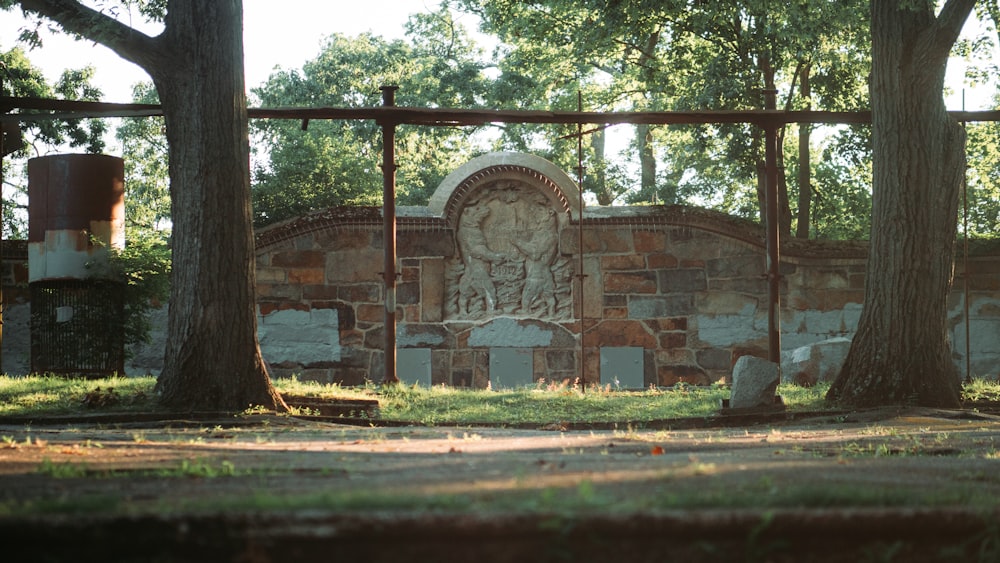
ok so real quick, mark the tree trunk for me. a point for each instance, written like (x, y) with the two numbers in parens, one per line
(900, 353)
(604, 195)
(212, 358)
(647, 158)
(805, 187)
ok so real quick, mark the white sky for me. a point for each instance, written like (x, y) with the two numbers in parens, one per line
(283, 33)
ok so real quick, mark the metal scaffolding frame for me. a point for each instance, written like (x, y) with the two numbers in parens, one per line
(389, 116)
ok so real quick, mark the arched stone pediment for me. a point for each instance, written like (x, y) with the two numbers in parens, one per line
(508, 210)
(499, 169)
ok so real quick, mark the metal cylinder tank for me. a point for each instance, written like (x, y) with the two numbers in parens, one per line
(76, 213)
(74, 201)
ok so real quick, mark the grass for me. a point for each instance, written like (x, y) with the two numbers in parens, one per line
(541, 404)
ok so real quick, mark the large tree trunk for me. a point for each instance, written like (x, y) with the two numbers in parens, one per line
(900, 353)
(212, 358)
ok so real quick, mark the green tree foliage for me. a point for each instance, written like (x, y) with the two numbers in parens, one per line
(982, 199)
(673, 55)
(36, 138)
(339, 162)
(144, 149)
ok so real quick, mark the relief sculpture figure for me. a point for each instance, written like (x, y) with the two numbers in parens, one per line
(475, 282)
(539, 251)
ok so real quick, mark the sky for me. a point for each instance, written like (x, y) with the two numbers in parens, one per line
(283, 33)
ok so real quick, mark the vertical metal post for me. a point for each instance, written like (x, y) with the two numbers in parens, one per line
(771, 216)
(389, 233)
(579, 231)
(2, 154)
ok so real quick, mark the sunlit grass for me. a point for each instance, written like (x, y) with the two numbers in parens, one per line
(981, 390)
(54, 395)
(544, 403)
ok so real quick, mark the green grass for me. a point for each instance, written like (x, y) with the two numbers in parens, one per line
(543, 404)
(53, 395)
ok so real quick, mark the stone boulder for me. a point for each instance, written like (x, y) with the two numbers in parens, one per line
(814, 363)
(755, 382)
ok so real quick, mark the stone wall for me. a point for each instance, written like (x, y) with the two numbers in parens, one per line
(490, 291)
(667, 294)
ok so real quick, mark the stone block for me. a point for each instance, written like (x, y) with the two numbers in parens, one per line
(279, 291)
(299, 259)
(560, 360)
(423, 335)
(756, 285)
(360, 292)
(432, 290)
(354, 266)
(305, 276)
(593, 289)
(682, 281)
(510, 332)
(630, 282)
(667, 324)
(814, 363)
(320, 291)
(724, 331)
(597, 241)
(622, 367)
(661, 261)
(615, 300)
(346, 239)
(673, 340)
(370, 313)
(408, 293)
(642, 307)
(305, 337)
(715, 359)
(620, 333)
(649, 241)
(413, 366)
(271, 275)
(615, 313)
(410, 274)
(755, 382)
(736, 267)
(623, 262)
(425, 244)
(728, 303)
(440, 367)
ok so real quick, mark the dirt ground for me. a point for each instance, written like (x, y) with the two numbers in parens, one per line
(885, 485)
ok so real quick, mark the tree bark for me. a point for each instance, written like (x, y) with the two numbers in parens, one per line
(900, 353)
(805, 185)
(212, 359)
(601, 190)
(647, 158)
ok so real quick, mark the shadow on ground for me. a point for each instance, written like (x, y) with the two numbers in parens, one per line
(880, 485)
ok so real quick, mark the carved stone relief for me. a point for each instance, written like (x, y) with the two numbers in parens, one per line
(508, 261)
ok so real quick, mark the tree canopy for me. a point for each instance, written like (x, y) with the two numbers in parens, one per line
(338, 162)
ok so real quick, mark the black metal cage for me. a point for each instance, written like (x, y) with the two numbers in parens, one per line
(77, 327)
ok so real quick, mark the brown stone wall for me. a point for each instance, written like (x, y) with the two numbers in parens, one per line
(693, 298)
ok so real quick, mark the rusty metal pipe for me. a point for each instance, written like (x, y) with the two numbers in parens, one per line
(771, 217)
(389, 234)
